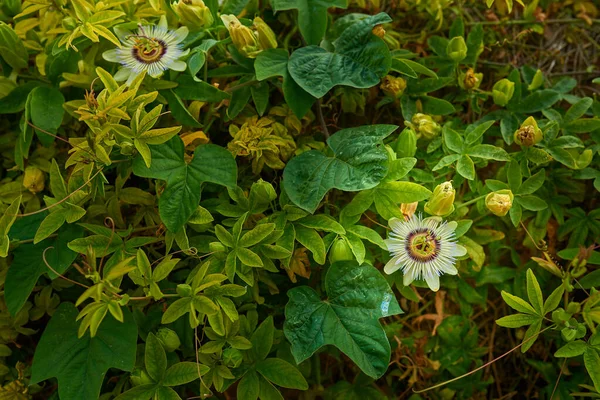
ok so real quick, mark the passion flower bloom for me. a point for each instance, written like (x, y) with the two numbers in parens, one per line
(423, 248)
(152, 49)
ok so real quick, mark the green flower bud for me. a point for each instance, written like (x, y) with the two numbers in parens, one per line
(503, 91)
(232, 358)
(169, 339)
(340, 251)
(184, 290)
(140, 377)
(406, 145)
(470, 80)
(243, 37)
(426, 126)
(499, 202)
(529, 133)
(266, 37)
(457, 49)
(393, 86)
(127, 148)
(33, 179)
(442, 200)
(193, 13)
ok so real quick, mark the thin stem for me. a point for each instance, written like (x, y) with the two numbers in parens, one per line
(475, 200)
(241, 85)
(526, 22)
(322, 119)
(64, 140)
(484, 365)
(53, 270)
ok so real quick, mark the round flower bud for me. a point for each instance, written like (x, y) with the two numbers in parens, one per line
(503, 91)
(426, 126)
(529, 133)
(393, 86)
(499, 202)
(69, 23)
(442, 200)
(140, 377)
(266, 37)
(243, 38)
(184, 290)
(470, 80)
(340, 251)
(193, 13)
(127, 148)
(378, 31)
(232, 357)
(457, 49)
(33, 179)
(406, 145)
(169, 339)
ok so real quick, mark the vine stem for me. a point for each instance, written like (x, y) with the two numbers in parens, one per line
(526, 22)
(322, 119)
(475, 200)
(484, 365)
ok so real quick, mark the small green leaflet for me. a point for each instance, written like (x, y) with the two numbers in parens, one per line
(211, 163)
(358, 295)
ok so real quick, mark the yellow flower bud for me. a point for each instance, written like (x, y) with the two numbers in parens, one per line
(470, 80)
(266, 37)
(503, 91)
(425, 125)
(193, 13)
(499, 202)
(378, 31)
(442, 200)
(244, 39)
(393, 86)
(529, 133)
(33, 179)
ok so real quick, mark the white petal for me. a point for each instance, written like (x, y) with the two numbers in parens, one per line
(122, 33)
(181, 34)
(178, 66)
(448, 268)
(111, 55)
(459, 251)
(392, 266)
(395, 223)
(452, 225)
(131, 78)
(408, 277)
(184, 53)
(122, 74)
(433, 281)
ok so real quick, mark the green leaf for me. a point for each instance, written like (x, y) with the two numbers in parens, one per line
(532, 184)
(80, 364)
(488, 152)
(262, 339)
(141, 392)
(517, 320)
(46, 109)
(322, 222)
(453, 140)
(532, 203)
(155, 359)
(577, 110)
(465, 167)
(554, 299)
(358, 296)
(538, 101)
(28, 264)
(531, 335)
(248, 388)
(310, 239)
(360, 60)
(592, 364)
(183, 372)
(312, 16)
(256, 235)
(281, 373)
(518, 303)
(360, 162)
(572, 349)
(478, 131)
(211, 163)
(190, 88)
(389, 195)
(178, 109)
(584, 125)
(534, 293)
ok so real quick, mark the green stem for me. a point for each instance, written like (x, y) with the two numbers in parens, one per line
(475, 200)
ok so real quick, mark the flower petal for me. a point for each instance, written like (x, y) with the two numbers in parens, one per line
(392, 266)
(459, 251)
(408, 277)
(111, 55)
(181, 34)
(433, 281)
(448, 268)
(178, 65)
(122, 74)
(162, 24)
(122, 33)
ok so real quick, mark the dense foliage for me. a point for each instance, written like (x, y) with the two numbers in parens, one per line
(299, 199)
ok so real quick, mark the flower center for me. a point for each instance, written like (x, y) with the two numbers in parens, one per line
(148, 50)
(422, 245)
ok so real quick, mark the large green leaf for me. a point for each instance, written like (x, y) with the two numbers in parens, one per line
(360, 60)
(360, 162)
(358, 295)
(80, 364)
(46, 110)
(312, 15)
(28, 262)
(211, 163)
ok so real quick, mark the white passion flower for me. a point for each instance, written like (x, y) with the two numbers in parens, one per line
(423, 248)
(152, 49)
